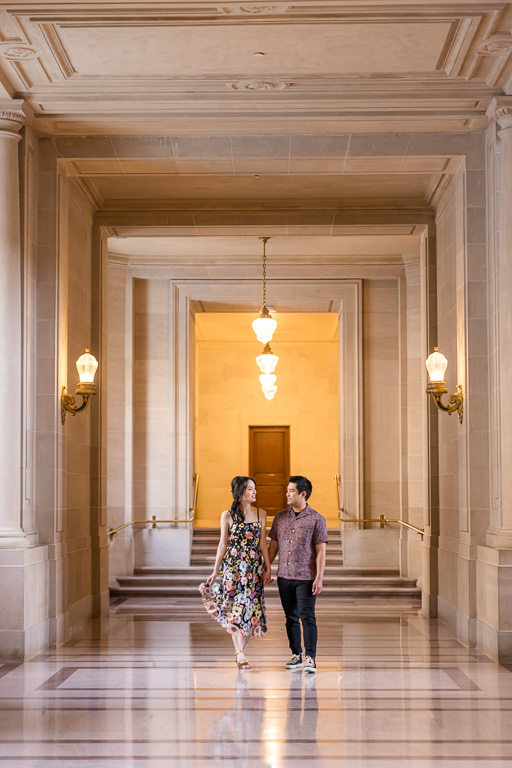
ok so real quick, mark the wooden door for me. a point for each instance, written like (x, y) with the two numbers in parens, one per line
(269, 464)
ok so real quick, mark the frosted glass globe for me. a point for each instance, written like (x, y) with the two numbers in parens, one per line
(267, 361)
(86, 365)
(264, 328)
(436, 365)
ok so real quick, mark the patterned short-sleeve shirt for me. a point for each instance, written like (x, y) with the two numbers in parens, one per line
(297, 537)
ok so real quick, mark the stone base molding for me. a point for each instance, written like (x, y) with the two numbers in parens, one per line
(24, 606)
(494, 603)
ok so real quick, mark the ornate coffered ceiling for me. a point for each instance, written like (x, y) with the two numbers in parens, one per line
(207, 67)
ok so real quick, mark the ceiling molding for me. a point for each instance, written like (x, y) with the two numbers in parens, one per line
(87, 71)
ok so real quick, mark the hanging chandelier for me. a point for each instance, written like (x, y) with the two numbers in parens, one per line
(264, 325)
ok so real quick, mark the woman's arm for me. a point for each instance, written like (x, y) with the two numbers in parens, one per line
(263, 543)
(223, 545)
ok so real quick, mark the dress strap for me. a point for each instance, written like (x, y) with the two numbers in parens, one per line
(258, 511)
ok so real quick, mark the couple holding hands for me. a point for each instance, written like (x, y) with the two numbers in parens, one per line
(244, 562)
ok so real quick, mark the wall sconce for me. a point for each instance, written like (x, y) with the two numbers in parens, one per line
(436, 366)
(86, 366)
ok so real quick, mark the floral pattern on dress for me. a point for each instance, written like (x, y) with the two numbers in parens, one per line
(236, 601)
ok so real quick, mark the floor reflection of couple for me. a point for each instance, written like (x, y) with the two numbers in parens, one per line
(240, 732)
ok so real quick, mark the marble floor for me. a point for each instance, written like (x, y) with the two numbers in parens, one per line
(155, 685)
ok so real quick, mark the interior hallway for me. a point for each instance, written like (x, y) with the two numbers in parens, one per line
(156, 685)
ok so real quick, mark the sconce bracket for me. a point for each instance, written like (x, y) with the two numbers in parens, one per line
(456, 400)
(67, 401)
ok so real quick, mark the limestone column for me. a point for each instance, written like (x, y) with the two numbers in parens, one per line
(11, 533)
(501, 110)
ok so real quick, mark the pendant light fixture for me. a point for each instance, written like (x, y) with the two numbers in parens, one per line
(264, 325)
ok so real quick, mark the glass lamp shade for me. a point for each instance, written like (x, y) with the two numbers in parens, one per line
(264, 327)
(436, 365)
(267, 361)
(270, 392)
(268, 380)
(86, 366)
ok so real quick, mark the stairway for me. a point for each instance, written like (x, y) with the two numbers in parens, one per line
(338, 580)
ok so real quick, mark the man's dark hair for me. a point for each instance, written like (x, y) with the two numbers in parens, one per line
(302, 483)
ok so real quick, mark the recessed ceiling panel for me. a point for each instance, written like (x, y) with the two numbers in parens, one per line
(412, 188)
(228, 50)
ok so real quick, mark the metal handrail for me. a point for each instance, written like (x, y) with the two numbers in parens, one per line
(154, 521)
(381, 519)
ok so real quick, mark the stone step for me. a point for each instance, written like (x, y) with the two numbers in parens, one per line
(345, 591)
(211, 551)
(215, 531)
(214, 535)
(193, 579)
(201, 570)
(208, 560)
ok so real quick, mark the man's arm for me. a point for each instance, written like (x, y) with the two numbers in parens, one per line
(320, 567)
(273, 549)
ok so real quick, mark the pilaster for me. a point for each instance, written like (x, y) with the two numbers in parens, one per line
(11, 532)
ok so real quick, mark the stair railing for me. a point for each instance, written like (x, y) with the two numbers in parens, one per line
(154, 521)
(381, 519)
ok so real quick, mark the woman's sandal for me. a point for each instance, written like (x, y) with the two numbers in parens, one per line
(242, 664)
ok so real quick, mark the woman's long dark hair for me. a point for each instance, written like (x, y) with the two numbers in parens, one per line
(238, 486)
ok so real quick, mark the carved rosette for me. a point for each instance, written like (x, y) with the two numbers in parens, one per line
(258, 85)
(18, 52)
(254, 9)
(11, 123)
(497, 45)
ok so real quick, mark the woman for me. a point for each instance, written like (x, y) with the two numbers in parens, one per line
(242, 557)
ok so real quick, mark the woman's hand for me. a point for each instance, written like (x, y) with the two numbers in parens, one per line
(267, 578)
(211, 578)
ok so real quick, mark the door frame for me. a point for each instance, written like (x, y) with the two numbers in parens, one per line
(287, 429)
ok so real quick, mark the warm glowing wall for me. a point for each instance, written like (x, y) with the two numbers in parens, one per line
(229, 400)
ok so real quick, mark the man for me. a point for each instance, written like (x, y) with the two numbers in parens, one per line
(299, 534)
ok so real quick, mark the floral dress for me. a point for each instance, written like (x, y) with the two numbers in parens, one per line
(237, 602)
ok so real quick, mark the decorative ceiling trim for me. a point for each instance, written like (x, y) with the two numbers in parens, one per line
(254, 9)
(38, 60)
(18, 51)
(258, 85)
(496, 45)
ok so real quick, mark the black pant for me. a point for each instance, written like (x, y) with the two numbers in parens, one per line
(298, 602)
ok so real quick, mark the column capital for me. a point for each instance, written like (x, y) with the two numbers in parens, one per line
(500, 110)
(12, 118)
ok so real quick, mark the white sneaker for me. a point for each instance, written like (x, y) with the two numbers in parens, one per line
(295, 662)
(310, 665)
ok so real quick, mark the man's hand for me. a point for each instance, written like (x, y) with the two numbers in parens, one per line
(317, 585)
(267, 578)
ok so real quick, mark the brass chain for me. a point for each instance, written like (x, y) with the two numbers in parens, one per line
(264, 241)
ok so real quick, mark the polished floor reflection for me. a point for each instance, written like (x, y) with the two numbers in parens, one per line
(156, 685)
